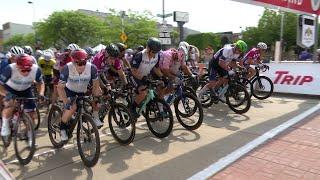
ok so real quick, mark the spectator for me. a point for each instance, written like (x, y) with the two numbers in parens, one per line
(305, 55)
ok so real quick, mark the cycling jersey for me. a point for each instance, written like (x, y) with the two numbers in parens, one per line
(166, 62)
(58, 59)
(254, 54)
(46, 66)
(78, 82)
(142, 62)
(226, 54)
(104, 65)
(64, 59)
(11, 77)
(3, 63)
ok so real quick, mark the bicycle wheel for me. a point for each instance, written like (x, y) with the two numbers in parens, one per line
(206, 100)
(88, 141)
(87, 106)
(187, 89)
(121, 124)
(246, 83)
(103, 110)
(54, 120)
(238, 99)
(24, 139)
(159, 118)
(37, 120)
(262, 87)
(185, 108)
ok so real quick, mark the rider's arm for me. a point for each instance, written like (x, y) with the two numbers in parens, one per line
(62, 84)
(122, 76)
(96, 90)
(186, 69)
(126, 63)
(4, 77)
(223, 64)
(156, 69)
(40, 83)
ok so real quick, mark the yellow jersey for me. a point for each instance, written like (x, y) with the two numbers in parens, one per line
(46, 66)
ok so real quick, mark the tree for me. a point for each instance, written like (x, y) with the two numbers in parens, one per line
(63, 28)
(20, 40)
(204, 40)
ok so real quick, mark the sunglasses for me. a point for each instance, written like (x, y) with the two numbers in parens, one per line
(81, 63)
(25, 70)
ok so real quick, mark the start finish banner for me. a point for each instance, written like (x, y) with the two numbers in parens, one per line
(302, 6)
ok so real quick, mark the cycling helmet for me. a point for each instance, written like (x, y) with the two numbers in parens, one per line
(262, 45)
(73, 47)
(241, 45)
(16, 50)
(185, 45)
(24, 61)
(47, 54)
(79, 55)
(129, 51)
(154, 44)
(38, 53)
(89, 51)
(112, 50)
(121, 46)
(28, 50)
(140, 48)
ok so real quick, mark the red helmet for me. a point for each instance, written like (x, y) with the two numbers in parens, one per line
(79, 55)
(24, 61)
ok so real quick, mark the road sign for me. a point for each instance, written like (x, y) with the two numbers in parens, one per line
(165, 41)
(164, 34)
(123, 37)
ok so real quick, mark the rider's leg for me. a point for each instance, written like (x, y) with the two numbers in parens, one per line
(6, 116)
(251, 72)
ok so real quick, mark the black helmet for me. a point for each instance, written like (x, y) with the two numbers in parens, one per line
(140, 48)
(121, 46)
(112, 50)
(89, 51)
(154, 44)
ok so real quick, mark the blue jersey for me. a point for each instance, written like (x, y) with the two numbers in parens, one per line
(4, 63)
(12, 77)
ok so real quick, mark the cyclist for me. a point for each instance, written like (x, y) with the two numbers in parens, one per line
(129, 55)
(122, 49)
(142, 64)
(46, 63)
(109, 64)
(139, 48)
(74, 80)
(171, 62)
(28, 50)
(253, 57)
(219, 65)
(193, 56)
(65, 58)
(90, 53)
(16, 81)
(14, 52)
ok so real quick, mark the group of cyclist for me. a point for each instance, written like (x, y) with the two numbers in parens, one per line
(77, 71)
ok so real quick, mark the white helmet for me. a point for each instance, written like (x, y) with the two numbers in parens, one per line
(73, 47)
(262, 45)
(38, 52)
(184, 44)
(51, 51)
(16, 50)
(47, 54)
(28, 50)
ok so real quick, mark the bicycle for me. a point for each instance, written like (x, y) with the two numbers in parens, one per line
(155, 110)
(86, 129)
(261, 87)
(185, 110)
(22, 130)
(233, 94)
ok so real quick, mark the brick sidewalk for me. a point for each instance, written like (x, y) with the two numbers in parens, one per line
(294, 154)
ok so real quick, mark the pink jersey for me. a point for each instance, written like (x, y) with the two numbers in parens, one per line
(101, 64)
(167, 61)
(254, 54)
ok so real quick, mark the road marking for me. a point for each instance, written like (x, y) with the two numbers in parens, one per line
(235, 155)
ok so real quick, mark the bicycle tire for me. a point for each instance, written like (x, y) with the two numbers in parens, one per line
(25, 119)
(52, 130)
(181, 115)
(37, 120)
(268, 94)
(150, 107)
(230, 92)
(112, 117)
(86, 118)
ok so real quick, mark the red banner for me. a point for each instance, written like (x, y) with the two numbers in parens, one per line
(308, 6)
(303, 6)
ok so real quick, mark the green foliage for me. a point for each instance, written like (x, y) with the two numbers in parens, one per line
(204, 40)
(20, 40)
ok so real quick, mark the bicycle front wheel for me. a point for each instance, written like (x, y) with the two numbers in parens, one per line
(262, 87)
(159, 118)
(238, 99)
(24, 139)
(88, 141)
(54, 121)
(37, 120)
(121, 124)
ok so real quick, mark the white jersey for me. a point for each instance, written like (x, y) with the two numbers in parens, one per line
(226, 54)
(78, 82)
(142, 62)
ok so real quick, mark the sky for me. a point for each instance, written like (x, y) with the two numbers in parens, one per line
(204, 15)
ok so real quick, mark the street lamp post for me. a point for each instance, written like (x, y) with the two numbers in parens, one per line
(33, 11)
